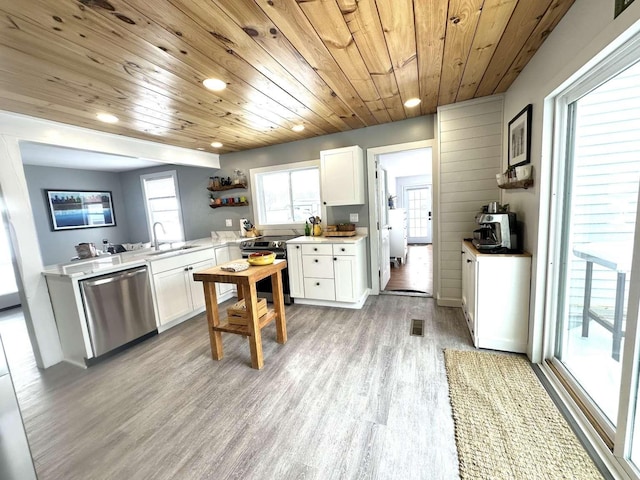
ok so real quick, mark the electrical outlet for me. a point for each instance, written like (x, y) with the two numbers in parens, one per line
(228, 222)
(353, 217)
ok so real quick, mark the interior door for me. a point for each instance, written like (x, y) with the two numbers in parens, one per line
(384, 255)
(417, 200)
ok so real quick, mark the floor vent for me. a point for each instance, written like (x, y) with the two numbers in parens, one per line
(417, 327)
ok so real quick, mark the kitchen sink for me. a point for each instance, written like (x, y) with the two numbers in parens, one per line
(172, 250)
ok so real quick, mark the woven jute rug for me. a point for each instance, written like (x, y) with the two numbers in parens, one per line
(506, 425)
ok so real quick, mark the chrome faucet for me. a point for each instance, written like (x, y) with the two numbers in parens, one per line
(156, 245)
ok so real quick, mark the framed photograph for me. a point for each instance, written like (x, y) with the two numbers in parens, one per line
(71, 209)
(620, 6)
(520, 138)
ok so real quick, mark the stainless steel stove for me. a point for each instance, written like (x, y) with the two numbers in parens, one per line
(270, 243)
(278, 245)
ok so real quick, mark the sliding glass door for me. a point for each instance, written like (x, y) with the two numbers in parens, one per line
(597, 229)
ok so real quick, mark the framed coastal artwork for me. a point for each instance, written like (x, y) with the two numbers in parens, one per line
(73, 209)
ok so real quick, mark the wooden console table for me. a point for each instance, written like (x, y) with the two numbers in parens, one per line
(246, 282)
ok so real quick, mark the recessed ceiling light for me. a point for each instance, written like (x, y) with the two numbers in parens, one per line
(107, 118)
(298, 128)
(216, 144)
(412, 102)
(200, 148)
(214, 84)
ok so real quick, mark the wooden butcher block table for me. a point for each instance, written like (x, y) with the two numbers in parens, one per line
(246, 282)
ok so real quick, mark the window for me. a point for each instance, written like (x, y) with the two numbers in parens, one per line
(162, 204)
(286, 194)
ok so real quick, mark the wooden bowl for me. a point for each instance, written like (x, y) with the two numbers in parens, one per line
(261, 258)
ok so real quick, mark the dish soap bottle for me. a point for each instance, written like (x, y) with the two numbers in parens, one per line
(307, 229)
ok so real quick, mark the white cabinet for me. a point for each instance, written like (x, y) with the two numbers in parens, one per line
(176, 293)
(342, 176)
(398, 234)
(322, 272)
(223, 255)
(495, 298)
(294, 267)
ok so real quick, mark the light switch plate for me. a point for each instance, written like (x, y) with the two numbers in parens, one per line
(353, 217)
(228, 222)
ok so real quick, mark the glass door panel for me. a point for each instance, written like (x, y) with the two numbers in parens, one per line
(418, 202)
(599, 208)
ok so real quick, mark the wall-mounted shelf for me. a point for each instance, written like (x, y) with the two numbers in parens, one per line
(517, 184)
(227, 187)
(239, 204)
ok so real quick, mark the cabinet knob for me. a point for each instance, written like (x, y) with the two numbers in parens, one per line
(343, 249)
(324, 203)
(297, 246)
(190, 268)
(335, 259)
(468, 261)
(186, 269)
(315, 249)
(316, 260)
(317, 284)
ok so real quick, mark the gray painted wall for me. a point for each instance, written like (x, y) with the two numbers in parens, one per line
(414, 129)
(199, 219)
(59, 246)
(128, 203)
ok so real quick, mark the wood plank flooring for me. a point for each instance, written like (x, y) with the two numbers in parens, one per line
(351, 395)
(414, 275)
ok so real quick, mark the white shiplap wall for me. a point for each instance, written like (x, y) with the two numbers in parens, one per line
(470, 146)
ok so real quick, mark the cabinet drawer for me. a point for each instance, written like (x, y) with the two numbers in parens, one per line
(344, 249)
(320, 266)
(319, 288)
(181, 260)
(317, 249)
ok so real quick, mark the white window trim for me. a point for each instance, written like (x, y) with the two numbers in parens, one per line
(152, 176)
(609, 67)
(278, 168)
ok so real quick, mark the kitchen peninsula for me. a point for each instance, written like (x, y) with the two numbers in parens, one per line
(164, 291)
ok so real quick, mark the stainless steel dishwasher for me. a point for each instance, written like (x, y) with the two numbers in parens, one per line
(119, 308)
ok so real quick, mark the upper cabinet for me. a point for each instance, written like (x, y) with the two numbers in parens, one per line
(342, 173)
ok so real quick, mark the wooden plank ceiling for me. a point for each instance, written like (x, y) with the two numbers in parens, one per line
(330, 65)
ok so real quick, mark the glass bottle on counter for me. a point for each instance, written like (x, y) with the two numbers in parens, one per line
(307, 229)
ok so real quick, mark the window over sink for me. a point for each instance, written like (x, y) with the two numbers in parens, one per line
(162, 204)
(286, 195)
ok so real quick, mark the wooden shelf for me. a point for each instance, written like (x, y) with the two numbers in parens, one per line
(263, 321)
(227, 187)
(239, 204)
(517, 184)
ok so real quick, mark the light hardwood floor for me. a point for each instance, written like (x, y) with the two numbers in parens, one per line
(351, 395)
(414, 275)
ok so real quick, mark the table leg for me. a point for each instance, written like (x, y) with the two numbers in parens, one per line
(255, 337)
(278, 305)
(617, 316)
(587, 299)
(213, 319)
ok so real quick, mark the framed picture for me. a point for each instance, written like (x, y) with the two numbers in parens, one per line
(620, 6)
(71, 209)
(520, 138)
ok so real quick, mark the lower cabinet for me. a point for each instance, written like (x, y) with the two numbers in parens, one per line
(495, 298)
(177, 296)
(176, 293)
(327, 271)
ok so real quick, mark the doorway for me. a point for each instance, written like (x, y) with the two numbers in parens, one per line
(8, 286)
(403, 186)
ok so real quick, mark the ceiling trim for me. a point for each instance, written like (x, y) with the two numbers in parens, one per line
(26, 128)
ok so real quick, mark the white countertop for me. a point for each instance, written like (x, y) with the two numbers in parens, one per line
(121, 261)
(322, 239)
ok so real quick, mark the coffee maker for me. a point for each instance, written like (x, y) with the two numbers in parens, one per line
(497, 232)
